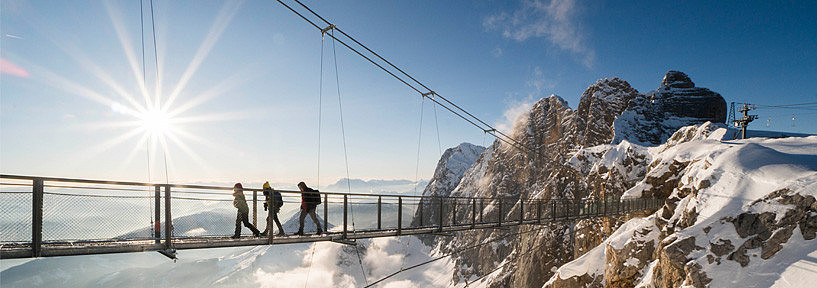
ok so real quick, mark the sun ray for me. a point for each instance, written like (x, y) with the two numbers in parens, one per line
(68, 86)
(109, 125)
(132, 154)
(219, 89)
(190, 153)
(215, 117)
(68, 46)
(100, 148)
(124, 40)
(223, 19)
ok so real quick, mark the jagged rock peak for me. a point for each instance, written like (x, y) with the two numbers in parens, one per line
(555, 99)
(598, 107)
(458, 159)
(677, 79)
(450, 168)
(448, 174)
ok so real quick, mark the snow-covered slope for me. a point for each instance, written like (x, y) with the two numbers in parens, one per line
(739, 213)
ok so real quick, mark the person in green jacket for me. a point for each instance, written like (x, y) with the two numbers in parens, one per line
(243, 212)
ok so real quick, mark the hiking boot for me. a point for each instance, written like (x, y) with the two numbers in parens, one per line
(264, 233)
(319, 232)
(299, 233)
(235, 236)
(257, 234)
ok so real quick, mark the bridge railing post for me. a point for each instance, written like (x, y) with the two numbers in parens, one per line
(567, 211)
(454, 211)
(481, 208)
(539, 211)
(157, 214)
(379, 211)
(441, 212)
(473, 213)
(399, 215)
(325, 212)
(500, 212)
(345, 213)
(521, 210)
(37, 217)
(420, 211)
(168, 220)
(254, 208)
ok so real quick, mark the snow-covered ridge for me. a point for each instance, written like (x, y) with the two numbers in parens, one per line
(739, 213)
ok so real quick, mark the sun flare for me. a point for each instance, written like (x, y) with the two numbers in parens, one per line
(155, 122)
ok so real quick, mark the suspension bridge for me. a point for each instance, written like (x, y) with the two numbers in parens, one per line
(46, 217)
(49, 216)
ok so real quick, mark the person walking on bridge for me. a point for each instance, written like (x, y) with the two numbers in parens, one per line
(310, 198)
(243, 212)
(274, 201)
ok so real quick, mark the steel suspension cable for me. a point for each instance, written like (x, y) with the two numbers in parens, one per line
(419, 141)
(345, 153)
(451, 253)
(403, 72)
(485, 127)
(147, 102)
(320, 122)
(437, 125)
(320, 107)
(416, 173)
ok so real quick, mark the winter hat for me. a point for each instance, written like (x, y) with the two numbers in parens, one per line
(266, 185)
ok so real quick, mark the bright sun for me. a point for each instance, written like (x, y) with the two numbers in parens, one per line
(155, 121)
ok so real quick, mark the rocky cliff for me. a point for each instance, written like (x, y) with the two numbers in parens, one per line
(573, 154)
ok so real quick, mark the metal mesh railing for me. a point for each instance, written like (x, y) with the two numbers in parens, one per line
(15, 206)
(39, 212)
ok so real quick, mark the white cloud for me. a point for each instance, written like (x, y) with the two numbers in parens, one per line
(515, 112)
(321, 271)
(540, 81)
(497, 52)
(554, 20)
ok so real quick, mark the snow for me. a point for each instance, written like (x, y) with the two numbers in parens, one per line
(325, 264)
(739, 173)
(593, 262)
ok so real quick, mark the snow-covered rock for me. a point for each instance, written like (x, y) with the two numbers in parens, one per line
(738, 213)
(652, 118)
(450, 168)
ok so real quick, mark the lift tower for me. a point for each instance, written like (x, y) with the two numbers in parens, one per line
(744, 122)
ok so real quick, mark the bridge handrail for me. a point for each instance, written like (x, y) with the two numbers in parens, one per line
(522, 211)
(208, 187)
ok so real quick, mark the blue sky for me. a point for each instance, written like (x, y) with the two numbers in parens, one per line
(250, 72)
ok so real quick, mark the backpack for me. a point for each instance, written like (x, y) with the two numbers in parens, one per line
(279, 200)
(317, 195)
(312, 196)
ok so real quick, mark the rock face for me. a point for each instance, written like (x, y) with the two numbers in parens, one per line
(574, 156)
(651, 119)
(450, 168)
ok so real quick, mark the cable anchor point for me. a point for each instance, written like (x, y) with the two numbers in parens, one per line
(430, 93)
(325, 30)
